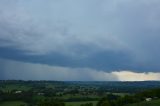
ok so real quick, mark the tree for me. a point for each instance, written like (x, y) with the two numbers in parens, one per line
(105, 103)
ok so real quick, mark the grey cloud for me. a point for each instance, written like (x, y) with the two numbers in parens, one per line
(82, 28)
(29, 71)
(53, 31)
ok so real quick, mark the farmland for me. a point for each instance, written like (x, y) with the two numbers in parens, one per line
(71, 93)
(80, 103)
(13, 103)
(151, 103)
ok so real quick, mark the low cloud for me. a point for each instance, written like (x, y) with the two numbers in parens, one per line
(28, 71)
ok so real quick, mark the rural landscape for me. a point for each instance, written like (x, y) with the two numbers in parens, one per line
(79, 52)
(77, 93)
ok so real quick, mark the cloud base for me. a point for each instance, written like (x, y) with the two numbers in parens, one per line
(29, 71)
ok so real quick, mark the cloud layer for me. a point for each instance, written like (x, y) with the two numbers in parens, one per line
(104, 35)
(61, 26)
(27, 71)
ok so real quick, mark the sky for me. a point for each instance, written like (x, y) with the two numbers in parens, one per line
(80, 40)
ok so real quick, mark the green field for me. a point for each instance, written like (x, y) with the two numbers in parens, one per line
(19, 103)
(14, 87)
(121, 94)
(79, 103)
(78, 96)
(13, 103)
(151, 103)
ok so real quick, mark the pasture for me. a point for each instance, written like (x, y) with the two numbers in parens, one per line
(13, 103)
(150, 103)
(79, 103)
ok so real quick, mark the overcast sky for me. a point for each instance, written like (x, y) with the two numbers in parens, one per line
(80, 39)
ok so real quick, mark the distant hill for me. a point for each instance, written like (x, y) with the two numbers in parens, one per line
(107, 86)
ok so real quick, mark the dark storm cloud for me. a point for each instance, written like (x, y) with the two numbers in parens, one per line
(29, 71)
(103, 35)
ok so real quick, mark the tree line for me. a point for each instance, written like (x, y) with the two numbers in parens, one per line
(129, 99)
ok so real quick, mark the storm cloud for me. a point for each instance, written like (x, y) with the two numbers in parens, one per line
(29, 71)
(103, 35)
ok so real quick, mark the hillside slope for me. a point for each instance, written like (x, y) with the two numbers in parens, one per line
(151, 103)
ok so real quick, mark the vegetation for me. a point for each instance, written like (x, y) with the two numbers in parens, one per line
(55, 93)
(91, 103)
(51, 102)
(144, 103)
(13, 103)
(139, 98)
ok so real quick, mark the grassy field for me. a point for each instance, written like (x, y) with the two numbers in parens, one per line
(78, 96)
(151, 103)
(121, 94)
(79, 103)
(14, 87)
(13, 103)
(19, 103)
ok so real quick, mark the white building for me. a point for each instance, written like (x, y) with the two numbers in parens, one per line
(148, 99)
(18, 92)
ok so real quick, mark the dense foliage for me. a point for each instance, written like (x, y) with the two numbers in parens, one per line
(129, 99)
